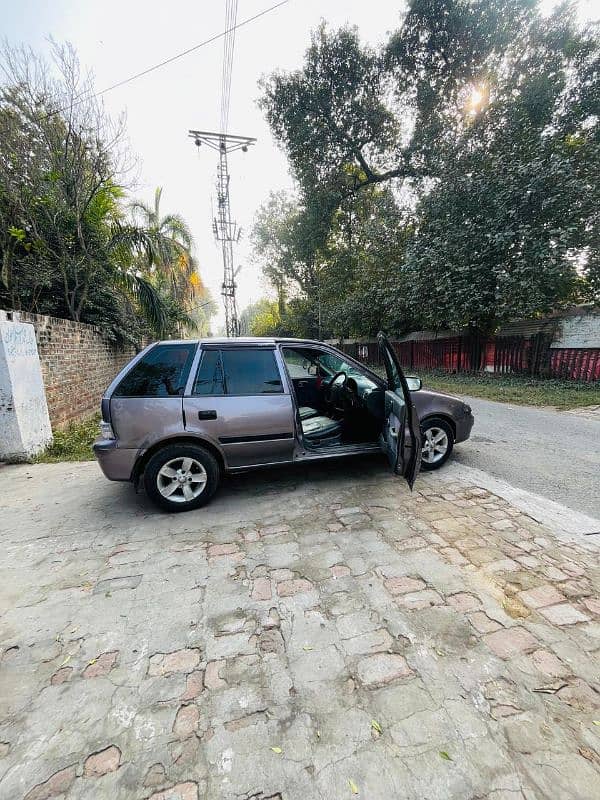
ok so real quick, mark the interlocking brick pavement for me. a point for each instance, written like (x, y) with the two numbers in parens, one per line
(309, 634)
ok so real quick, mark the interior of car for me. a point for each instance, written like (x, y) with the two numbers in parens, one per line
(337, 403)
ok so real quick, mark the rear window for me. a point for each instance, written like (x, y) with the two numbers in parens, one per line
(246, 371)
(162, 372)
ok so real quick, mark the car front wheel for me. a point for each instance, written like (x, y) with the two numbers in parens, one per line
(181, 477)
(438, 441)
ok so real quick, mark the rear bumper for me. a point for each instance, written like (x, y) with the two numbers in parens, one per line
(463, 427)
(115, 462)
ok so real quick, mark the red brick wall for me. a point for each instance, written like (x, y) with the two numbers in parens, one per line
(78, 362)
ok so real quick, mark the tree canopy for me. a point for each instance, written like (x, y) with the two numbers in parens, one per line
(461, 159)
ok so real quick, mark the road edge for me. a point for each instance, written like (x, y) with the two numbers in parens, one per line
(565, 522)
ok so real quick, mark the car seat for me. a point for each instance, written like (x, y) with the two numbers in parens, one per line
(320, 430)
(306, 412)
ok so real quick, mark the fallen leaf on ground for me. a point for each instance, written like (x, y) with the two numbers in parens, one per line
(66, 661)
(353, 786)
(89, 663)
(596, 722)
(307, 647)
(376, 727)
(277, 750)
(444, 755)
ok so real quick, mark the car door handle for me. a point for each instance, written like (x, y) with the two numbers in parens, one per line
(207, 414)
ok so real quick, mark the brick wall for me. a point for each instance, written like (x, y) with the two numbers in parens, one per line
(78, 362)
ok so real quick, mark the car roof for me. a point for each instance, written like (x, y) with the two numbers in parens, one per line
(243, 340)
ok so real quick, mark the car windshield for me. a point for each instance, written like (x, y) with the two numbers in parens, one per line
(332, 363)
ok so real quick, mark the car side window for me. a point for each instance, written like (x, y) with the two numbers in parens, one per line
(394, 382)
(162, 372)
(298, 363)
(241, 371)
(209, 378)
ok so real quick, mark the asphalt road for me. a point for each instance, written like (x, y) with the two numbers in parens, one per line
(551, 453)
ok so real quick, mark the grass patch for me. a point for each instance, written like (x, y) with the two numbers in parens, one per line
(514, 388)
(74, 443)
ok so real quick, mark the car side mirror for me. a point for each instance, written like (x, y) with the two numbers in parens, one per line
(414, 384)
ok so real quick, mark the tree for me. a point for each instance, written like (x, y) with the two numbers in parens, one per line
(350, 283)
(67, 245)
(482, 118)
(172, 258)
(286, 239)
(76, 165)
(511, 230)
(261, 319)
(333, 113)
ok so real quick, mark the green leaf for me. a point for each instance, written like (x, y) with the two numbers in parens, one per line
(444, 755)
(353, 786)
(277, 750)
(17, 233)
(376, 727)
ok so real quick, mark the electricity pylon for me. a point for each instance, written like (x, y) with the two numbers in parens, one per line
(225, 229)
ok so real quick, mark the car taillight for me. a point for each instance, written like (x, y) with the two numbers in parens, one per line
(106, 430)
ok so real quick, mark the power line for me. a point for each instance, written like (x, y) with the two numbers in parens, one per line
(228, 50)
(84, 96)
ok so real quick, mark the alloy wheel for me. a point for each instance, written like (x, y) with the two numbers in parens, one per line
(435, 445)
(181, 479)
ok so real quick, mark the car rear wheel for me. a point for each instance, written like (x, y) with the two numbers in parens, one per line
(438, 441)
(181, 477)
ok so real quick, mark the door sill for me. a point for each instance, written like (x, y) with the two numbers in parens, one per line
(318, 453)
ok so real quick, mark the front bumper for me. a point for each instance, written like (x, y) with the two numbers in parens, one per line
(116, 463)
(464, 426)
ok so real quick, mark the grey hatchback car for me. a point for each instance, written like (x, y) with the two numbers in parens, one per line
(182, 413)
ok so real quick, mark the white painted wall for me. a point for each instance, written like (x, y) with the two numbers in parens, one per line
(582, 330)
(24, 422)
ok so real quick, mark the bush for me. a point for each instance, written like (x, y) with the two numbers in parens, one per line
(74, 443)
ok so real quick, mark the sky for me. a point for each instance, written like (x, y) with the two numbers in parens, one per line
(117, 38)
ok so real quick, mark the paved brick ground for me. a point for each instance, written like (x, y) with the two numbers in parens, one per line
(312, 634)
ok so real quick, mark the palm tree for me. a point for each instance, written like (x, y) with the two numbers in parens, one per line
(172, 261)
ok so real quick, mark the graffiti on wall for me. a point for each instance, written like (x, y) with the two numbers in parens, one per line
(19, 340)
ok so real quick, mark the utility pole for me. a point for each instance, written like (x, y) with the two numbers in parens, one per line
(225, 229)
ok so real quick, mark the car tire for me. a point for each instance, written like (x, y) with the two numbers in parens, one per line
(181, 477)
(435, 456)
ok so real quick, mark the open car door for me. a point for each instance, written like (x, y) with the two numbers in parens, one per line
(401, 435)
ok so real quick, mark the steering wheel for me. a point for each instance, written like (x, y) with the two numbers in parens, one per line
(329, 390)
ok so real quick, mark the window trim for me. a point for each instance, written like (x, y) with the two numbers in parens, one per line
(220, 349)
